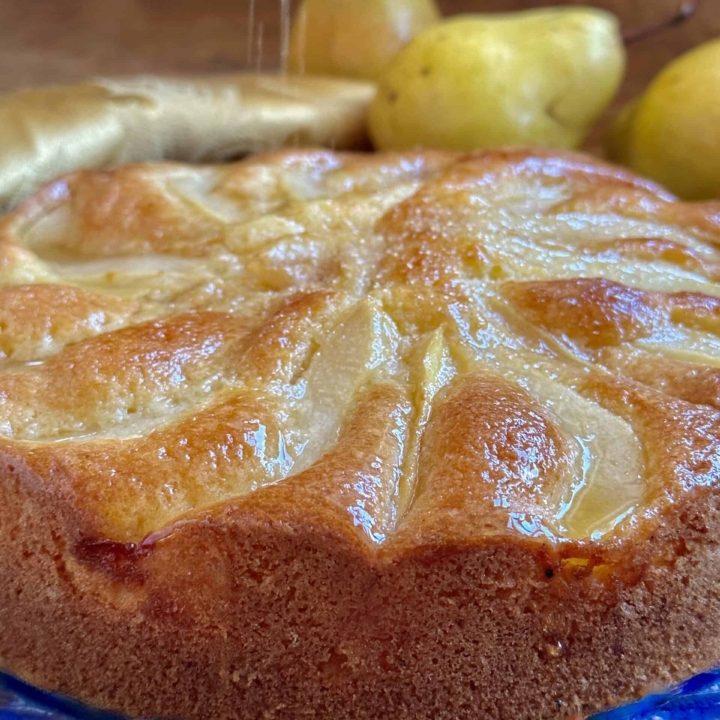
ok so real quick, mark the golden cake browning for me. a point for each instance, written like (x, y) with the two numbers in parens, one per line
(423, 435)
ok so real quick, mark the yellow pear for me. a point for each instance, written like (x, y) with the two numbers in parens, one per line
(532, 77)
(354, 38)
(672, 133)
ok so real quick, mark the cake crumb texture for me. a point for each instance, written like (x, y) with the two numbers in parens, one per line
(313, 434)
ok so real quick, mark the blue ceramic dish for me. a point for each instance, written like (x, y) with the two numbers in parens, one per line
(19, 701)
(696, 699)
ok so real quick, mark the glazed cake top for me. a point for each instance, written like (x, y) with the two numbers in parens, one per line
(437, 345)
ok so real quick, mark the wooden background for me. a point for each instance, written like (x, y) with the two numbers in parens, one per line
(50, 41)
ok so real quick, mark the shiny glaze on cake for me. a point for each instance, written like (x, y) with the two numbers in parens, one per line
(339, 392)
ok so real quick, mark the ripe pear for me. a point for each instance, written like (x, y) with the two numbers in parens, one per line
(672, 132)
(532, 77)
(355, 38)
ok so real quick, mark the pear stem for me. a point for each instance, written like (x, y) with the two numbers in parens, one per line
(684, 12)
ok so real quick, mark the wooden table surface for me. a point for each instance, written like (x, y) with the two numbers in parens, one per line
(53, 41)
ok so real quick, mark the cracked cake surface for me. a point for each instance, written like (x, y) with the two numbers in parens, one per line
(424, 434)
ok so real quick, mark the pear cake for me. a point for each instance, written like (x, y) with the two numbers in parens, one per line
(422, 435)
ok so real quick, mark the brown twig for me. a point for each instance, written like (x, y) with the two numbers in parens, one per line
(684, 12)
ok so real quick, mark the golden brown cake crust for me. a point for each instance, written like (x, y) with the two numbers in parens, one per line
(319, 434)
